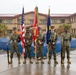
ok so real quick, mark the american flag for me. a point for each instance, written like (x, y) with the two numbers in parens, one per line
(22, 30)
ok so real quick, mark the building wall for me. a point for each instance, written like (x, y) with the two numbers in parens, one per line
(15, 21)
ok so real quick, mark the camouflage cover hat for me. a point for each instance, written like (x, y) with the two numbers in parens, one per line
(52, 27)
(27, 29)
(39, 28)
(14, 28)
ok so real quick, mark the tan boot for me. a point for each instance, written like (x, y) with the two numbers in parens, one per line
(19, 61)
(62, 61)
(24, 62)
(37, 61)
(31, 61)
(10, 62)
(49, 61)
(55, 62)
(69, 62)
(42, 61)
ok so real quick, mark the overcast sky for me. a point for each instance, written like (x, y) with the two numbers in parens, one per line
(56, 6)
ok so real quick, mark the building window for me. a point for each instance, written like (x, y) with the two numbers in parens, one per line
(54, 20)
(32, 15)
(62, 20)
(9, 21)
(1, 21)
(9, 31)
(31, 21)
(71, 19)
(74, 30)
(43, 21)
(19, 21)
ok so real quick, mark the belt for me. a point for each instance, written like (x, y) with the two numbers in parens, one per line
(14, 40)
(66, 40)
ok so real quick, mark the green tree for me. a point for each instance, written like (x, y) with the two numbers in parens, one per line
(3, 30)
(60, 29)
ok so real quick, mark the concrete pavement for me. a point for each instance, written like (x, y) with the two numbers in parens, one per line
(38, 69)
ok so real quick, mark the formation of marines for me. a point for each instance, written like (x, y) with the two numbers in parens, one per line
(65, 42)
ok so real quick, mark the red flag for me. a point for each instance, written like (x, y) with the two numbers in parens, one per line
(35, 27)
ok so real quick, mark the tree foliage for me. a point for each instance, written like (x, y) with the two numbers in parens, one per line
(60, 29)
(3, 30)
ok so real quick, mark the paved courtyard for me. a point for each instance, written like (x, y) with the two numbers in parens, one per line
(37, 69)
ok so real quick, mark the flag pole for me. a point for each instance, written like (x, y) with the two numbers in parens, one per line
(48, 32)
(23, 32)
(35, 26)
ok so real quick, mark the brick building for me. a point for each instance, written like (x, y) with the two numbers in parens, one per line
(12, 20)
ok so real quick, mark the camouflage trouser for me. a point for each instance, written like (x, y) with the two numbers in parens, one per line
(14, 47)
(52, 49)
(67, 49)
(39, 51)
(28, 52)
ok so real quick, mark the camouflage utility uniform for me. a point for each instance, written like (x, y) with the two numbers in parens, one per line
(52, 45)
(65, 41)
(40, 47)
(14, 46)
(28, 41)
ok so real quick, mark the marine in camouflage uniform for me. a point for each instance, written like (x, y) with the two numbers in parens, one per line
(14, 46)
(65, 41)
(52, 45)
(28, 41)
(40, 46)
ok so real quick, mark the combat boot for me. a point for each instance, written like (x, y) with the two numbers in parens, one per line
(10, 62)
(69, 62)
(49, 61)
(19, 61)
(24, 62)
(62, 61)
(37, 61)
(55, 62)
(31, 61)
(42, 61)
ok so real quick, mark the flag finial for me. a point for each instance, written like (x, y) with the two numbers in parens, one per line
(49, 11)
